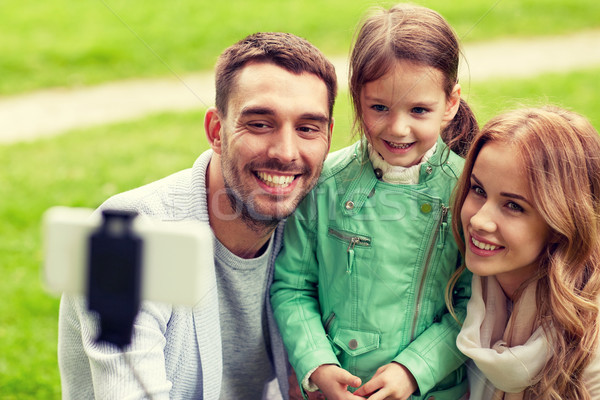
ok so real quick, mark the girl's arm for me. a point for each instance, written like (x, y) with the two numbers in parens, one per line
(433, 354)
(294, 294)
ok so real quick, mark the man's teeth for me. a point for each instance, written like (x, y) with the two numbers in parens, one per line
(483, 246)
(399, 145)
(275, 180)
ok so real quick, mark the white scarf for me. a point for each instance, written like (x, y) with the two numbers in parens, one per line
(502, 346)
(396, 174)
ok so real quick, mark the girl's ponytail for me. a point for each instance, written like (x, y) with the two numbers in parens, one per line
(460, 132)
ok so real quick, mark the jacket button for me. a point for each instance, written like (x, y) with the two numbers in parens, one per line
(353, 344)
(378, 173)
(426, 208)
(349, 205)
(429, 170)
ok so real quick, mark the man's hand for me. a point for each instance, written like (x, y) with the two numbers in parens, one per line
(393, 381)
(334, 381)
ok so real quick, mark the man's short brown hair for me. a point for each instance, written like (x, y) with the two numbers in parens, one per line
(285, 50)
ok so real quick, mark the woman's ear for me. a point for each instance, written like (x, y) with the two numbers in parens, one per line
(452, 104)
(212, 128)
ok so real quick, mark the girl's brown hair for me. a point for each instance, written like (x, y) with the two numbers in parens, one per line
(412, 33)
(561, 154)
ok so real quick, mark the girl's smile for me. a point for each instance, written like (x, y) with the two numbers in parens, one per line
(405, 110)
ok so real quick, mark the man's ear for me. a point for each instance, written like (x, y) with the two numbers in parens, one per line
(330, 135)
(212, 128)
(452, 104)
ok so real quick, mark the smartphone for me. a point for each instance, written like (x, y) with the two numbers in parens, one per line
(177, 263)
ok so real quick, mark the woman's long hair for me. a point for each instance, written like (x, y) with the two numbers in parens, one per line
(561, 154)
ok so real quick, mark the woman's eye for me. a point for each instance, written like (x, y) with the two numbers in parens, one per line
(514, 207)
(478, 190)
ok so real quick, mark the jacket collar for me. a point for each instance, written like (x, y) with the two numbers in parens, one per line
(361, 188)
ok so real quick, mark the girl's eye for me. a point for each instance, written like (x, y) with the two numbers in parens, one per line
(514, 207)
(419, 110)
(379, 107)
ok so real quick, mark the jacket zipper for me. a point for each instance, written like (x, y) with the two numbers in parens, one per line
(442, 222)
(328, 323)
(352, 240)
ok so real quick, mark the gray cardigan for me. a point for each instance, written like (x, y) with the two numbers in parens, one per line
(176, 350)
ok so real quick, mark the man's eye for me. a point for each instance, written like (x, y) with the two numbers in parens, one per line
(258, 125)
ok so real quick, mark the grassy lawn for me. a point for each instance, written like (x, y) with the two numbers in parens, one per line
(83, 168)
(71, 43)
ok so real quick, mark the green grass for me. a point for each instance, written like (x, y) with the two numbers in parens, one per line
(84, 167)
(79, 169)
(71, 43)
(577, 91)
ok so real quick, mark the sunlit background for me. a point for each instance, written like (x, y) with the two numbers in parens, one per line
(65, 46)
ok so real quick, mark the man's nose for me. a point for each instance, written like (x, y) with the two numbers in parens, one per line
(284, 145)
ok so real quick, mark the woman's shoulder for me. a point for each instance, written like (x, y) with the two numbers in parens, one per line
(591, 376)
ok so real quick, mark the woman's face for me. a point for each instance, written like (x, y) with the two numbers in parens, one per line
(504, 233)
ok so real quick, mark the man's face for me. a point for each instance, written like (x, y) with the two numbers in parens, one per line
(275, 138)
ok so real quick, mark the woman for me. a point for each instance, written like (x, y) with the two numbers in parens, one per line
(527, 221)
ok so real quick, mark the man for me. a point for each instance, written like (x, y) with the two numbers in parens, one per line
(270, 133)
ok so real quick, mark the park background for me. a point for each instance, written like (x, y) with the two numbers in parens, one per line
(74, 44)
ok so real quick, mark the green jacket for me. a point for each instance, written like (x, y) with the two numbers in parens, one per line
(361, 277)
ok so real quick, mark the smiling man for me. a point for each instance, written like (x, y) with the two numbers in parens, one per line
(269, 135)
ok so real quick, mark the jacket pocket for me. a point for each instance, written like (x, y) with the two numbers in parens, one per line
(355, 342)
(351, 241)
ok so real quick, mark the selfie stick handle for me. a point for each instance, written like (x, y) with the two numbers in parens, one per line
(114, 276)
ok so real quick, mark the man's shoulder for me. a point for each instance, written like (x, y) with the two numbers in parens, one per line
(168, 196)
(148, 194)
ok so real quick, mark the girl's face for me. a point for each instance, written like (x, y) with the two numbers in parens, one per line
(405, 110)
(504, 233)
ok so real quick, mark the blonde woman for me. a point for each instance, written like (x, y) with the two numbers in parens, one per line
(527, 219)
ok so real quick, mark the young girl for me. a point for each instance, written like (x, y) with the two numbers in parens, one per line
(527, 219)
(358, 291)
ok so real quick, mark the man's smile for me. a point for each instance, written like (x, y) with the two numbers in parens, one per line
(275, 180)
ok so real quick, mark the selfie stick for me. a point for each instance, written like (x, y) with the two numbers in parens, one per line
(114, 276)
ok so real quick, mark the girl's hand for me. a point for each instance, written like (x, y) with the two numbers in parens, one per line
(392, 381)
(334, 381)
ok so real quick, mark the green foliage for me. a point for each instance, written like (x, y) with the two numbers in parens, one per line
(71, 43)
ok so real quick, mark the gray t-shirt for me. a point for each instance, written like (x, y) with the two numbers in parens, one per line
(242, 287)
